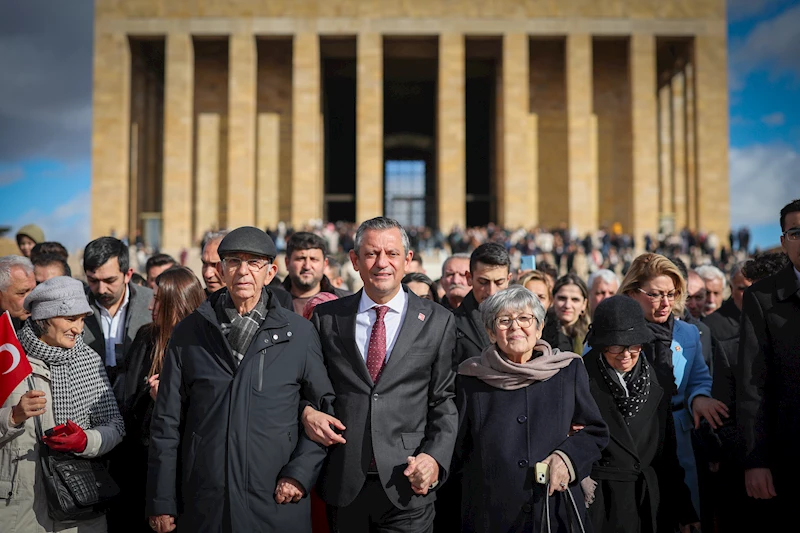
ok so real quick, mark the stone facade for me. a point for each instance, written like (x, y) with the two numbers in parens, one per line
(608, 113)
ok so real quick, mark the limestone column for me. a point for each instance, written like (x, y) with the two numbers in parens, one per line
(242, 65)
(581, 135)
(517, 204)
(369, 126)
(176, 213)
(451, 174)
(679, 148)
(691, 166)
(306, 195)
(711, 118)
(268, 173)
(665, 191)
(111, 125)
(206, 204)
(644, 197)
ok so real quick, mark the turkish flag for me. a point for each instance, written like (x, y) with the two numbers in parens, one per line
(14, 365)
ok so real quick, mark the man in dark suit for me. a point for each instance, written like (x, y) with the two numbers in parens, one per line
(120, 307)
(768, 381)
(389, 357)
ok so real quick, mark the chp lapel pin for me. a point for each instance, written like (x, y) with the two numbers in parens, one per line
(421, 317)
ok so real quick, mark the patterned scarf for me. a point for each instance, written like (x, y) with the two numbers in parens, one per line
(240, 329)
(631, 395)
(81, 390)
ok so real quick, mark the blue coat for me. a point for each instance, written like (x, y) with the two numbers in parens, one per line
(504, 433)
(692, 379)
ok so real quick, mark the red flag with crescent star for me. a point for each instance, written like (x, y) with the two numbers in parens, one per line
(14, 365)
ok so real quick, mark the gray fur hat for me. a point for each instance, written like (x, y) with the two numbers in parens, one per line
(59, 296)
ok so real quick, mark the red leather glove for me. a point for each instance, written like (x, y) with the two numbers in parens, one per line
(73, 440)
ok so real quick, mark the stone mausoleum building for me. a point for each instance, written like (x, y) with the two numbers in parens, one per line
(212, 113)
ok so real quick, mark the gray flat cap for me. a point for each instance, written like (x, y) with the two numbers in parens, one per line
(59, 296)
(248, 240)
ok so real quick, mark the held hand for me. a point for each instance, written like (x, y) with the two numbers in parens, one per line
(574, 428)
(559, 473)
(162, 523)
(687, 528)
(422, 472)
(31, 404)
(758, 482)
(288, 491)
(73, 440)
(318, 427)
(710, 409)
(152, 382)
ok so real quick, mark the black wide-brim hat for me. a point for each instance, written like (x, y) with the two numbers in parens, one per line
(618, 320)
(249, 240)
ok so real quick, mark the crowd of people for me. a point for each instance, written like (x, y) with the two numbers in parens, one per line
(636, 395)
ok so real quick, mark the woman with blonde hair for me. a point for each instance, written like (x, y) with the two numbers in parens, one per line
(538, 283)
(676, 354)
(177, 294)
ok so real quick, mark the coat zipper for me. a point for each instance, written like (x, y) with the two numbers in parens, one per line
(260, 370)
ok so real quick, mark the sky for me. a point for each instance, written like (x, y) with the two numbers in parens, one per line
(46, 110)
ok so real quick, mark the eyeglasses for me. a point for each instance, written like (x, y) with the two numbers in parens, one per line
(234, 263)
(658, 296)
(617, 349)
(523, 321)
(792, 234)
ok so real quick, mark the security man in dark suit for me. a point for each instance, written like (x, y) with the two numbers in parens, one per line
(389, 356)
(768, 382)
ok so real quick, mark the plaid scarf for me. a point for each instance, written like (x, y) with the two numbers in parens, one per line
(240, 329)
(630, 397)
(81, 390)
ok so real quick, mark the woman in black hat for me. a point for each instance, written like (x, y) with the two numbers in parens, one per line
(639, 480)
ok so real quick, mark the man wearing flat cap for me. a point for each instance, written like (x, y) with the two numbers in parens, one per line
(234, 376)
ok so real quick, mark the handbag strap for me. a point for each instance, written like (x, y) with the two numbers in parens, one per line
(574, 508)
(36, 422)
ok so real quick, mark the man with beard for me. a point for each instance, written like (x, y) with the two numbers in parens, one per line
(16, 283)
(120, 307)
(306, 260)
(455, 280)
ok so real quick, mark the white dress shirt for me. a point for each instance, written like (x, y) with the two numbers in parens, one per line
(114, 327)
(393, 319)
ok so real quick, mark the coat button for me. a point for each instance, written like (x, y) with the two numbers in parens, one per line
(288, 333)
(637, 466)
(375, 397)
(527, 508)
(523, 463)
(275, 337)
(522, 419)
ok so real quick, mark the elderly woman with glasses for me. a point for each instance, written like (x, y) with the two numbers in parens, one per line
(676, 354)
(640, 486)
(517, 402)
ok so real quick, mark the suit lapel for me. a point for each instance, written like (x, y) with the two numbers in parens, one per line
(346, 326)
(416, 312)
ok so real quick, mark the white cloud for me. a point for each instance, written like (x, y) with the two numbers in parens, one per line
(68, 223)
(11, 175)
(762, 177)
(774, 119)
(771, 46)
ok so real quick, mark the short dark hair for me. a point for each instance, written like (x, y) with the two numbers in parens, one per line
(304, 240)
(764, 264)
(49, 247)
(334, 266)
(548, 269)
(416, 257)
(45, 260)
(157, 260)
(419, 277)
(489, 253)
(791, 207)
(678, 262)
(138, 279)
(100, 251)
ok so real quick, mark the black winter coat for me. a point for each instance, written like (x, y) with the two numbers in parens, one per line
(226, 433)
(640, 484)
(504, 433)
(471, 337)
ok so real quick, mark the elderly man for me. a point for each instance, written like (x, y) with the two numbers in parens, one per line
(455, 280)
(16, 282)
(306, 258)
(696, 295)
(715, 283)
(120, 307)
(603, 284)
(389, 355)
(156, 264)
(210, 259)
(234, 376)
(46, 266)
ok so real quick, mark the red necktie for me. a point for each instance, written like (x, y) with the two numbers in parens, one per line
(376, 352)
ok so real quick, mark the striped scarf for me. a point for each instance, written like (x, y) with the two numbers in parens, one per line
(240, 329)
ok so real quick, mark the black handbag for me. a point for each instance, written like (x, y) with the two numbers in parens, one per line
(76, 488)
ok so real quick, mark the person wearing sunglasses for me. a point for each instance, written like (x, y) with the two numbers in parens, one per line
(768, 383)
(639, 481)
(657, 285)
